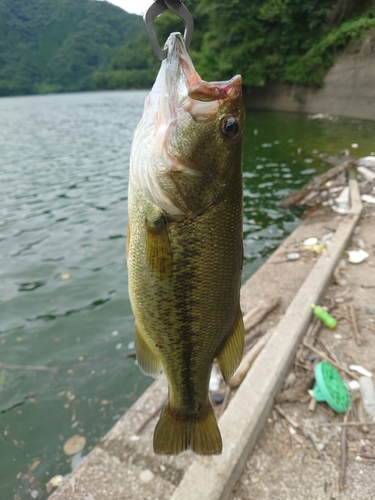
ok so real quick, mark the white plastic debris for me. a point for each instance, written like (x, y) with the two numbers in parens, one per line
(353, 385)
(55, 481)
(367, 161)
(293, 256)
(368, 395)
(367, 173)
(77, 459)
(214, 380)
(340, 210)
(367, 198)
(327, 237)
(310, 242)
(361, 370)
(134, 437)
(361, 243)
(357, 256)
(342, 200)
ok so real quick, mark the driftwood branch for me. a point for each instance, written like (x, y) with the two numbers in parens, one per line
(248, 360)
(295, 394)
(258, 313)
(329, 360)
(297, 198)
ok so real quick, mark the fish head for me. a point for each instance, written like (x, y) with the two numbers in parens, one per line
(188, 144)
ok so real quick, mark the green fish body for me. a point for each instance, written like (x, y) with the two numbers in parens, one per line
(184, 245)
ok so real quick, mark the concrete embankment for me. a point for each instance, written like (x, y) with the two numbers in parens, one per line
(348, 89)
(124, 466)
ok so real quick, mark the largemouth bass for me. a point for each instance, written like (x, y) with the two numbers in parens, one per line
(184, 244)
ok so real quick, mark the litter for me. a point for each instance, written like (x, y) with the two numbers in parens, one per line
(367, 161)
(214, 380)
(311, 241)
(293, 256)
(327, 237)
(330, 387)
(367, 198)
(368, 395)
(324, 316)
(361, 243)
(367, 173)
(342, 201)
(357, 256)
(53, 482)
(361, 370)
(353, 385)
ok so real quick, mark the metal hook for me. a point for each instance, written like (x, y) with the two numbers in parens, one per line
(157, 8)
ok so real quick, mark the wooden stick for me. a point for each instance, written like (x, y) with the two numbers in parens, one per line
(295, 198)
(248, 360)
(6, 366)
(287, 417)
(345, 424)
(311, 335)
(329, 360)
(343, 454)
(355, 325)
(329, 352)
(297, 392)
(258, 313)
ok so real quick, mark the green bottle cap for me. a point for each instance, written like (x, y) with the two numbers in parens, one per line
(330, 388)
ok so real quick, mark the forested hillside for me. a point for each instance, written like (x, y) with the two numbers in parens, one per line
(285, 40)
(56, 45)
(72, 45)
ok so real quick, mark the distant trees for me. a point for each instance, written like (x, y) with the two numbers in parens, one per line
(56, 45)
(72, 45)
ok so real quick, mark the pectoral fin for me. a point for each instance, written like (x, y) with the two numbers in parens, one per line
(230, 356)
(148, 361)
(158, 247)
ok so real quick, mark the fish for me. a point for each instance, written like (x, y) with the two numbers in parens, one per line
(184, 244)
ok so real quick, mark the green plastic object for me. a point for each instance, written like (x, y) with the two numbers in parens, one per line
(324, 316)
(330, 388)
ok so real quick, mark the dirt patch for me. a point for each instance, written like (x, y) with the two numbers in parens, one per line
(302, 461)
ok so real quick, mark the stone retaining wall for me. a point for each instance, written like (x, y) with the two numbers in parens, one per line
(348, 90)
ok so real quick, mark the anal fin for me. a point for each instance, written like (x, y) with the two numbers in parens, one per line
(175, 434)
(148, 361)
(230, 356)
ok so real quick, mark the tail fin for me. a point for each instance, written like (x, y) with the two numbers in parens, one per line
(174, 434)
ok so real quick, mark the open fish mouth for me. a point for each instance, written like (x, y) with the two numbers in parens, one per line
(169, 137)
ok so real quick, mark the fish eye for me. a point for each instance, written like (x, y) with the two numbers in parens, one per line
(229, 127)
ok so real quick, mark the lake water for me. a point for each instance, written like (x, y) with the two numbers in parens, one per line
(63, 280)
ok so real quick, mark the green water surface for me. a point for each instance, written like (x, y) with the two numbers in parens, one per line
(63, 280)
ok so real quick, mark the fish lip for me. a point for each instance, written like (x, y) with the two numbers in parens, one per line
(180, 74)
